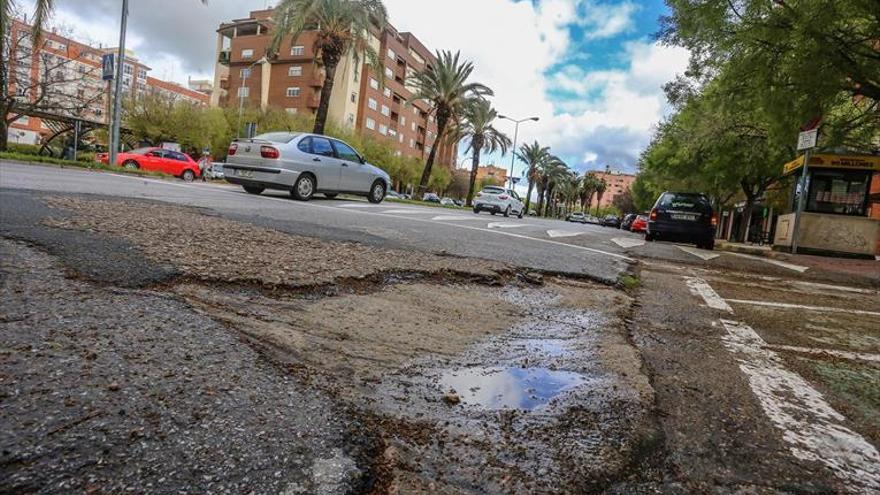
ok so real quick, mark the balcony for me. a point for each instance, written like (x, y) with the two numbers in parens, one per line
(313, 101)
(223, 57)
(315, 81)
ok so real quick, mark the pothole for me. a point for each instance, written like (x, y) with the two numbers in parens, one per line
(515, 388)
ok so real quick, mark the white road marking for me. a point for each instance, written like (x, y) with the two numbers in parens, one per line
(404, 212)
(783, 264)
(814, 430)
(503, 225)
(820, 309)
(563, 233)
(703, 255)
(852, 356)
(356, 205)
(834, 287)
(700, 287)
(453, 218)
(628, 242)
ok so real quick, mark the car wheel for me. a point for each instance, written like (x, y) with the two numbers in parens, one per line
(476, 211)
(330, 195)
(507, 212)
(377, 192)
(710, 245)
(131, 165)
(520, 215)
(304, 188)
(188, 175)
(253, 189)
(494, 212)
(649, 237)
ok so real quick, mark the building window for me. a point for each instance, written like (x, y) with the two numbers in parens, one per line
(295, 71)
(142, 74)
(373, 104)
(127, 69)
(413, 126)
(386, 111)
(354, 97)
(244, 73)
(391, 54)
(292, 92)
(392, 133)
(843, 192)
(403, 121)
(383, 129)
(371, 124)
(297, 51)
(415, 111)
(244, 92)
(247, 53)
(412, 143)
(389, 73)
(291, 110)
(386, 92)
(400, 138)
(351, 119)
(374, 83)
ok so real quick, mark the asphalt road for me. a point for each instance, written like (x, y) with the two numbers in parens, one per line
(549, 245)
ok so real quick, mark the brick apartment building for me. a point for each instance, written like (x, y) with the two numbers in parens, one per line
(497, 174)
(618, 183)
(375, 106)
(79, 66)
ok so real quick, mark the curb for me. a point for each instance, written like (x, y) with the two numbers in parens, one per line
(755, 251)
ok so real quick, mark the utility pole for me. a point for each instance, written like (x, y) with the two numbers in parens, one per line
(117, 92)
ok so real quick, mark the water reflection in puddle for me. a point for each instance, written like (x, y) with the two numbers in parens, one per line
(516, 388)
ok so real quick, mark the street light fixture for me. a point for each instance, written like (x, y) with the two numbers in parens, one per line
(245, 75)
(515, 136)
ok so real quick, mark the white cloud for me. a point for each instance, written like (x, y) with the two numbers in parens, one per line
(606, 20)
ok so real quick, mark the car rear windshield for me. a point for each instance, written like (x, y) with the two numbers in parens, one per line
(493, 190)
(140, 151)
(685, 201)
(277, 137)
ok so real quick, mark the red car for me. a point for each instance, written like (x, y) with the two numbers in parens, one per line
(157, 160)
(640, 224)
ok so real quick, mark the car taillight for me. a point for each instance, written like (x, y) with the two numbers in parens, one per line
(269, 152)
(653, 214)
(232, 149)
(503, 196)
(714, 220)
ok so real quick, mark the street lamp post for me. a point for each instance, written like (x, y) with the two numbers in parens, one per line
(515, 136)
(245, 75)
(117, 90)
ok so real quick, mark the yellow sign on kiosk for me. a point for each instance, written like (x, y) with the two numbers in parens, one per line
(846, 162)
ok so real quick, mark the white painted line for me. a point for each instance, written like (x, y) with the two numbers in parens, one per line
(700, 287)
(503, 225)
(820, 309)
(453, 218)
(834, 287)
(783, 264)
(405, 212)
(628, 242)
(852, 356)
(355, 205)
(814, 430)
(563, 233)
(703, 255)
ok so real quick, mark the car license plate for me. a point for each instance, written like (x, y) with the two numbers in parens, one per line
(682, 216)
(244, 173)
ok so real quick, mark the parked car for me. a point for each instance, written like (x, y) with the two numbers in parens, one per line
(639, 224)
(627, 221)
(577, 217)
(303, 164)
(215, 171)
(611, 221)
(156, 160)
(431, 198)
(496, 199)
(593, 219)
(458, 202)
(394, 194)
(685, 217)
(448, 202)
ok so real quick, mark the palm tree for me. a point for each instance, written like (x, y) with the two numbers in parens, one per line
(444, 86)
(601, 186)
(549, 173)
(343, 26)
(557, 172)
(534, 155)
(588, 184)
(42, 10)
(477, 127)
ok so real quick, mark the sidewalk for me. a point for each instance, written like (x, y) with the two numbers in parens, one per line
(865, 269)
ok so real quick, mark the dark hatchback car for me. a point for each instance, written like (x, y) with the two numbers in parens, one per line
(683, 217)
(628, 221)
(611, 221)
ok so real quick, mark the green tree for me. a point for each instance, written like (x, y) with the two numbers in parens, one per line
(601, 187)
(477, 128)
(343, 27)
(444, 86)
(624, 202)
(550, 172)
(588, 185)
(534, 155)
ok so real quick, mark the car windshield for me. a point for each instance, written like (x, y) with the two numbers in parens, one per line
(493, 190)
(278, 137)
(685, 201)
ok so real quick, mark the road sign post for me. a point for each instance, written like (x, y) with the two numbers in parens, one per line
(806, 141)
(117, 88)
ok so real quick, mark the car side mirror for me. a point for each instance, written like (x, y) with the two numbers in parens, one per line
(362, 159)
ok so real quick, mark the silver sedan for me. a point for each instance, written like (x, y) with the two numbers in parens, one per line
(303, 164)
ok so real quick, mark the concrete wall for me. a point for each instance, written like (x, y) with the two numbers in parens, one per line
(835, 233)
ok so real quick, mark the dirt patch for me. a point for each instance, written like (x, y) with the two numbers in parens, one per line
(210, 248)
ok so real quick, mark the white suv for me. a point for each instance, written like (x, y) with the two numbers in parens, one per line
(499, 200)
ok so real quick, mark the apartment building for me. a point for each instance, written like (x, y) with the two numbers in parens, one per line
(618, 183)
(497, 174)
(371, 100)
(76, 87)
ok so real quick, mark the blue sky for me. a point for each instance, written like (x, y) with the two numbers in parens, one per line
(590, 69)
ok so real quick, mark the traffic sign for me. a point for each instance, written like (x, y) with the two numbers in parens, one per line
(808, 139)
(107, 67)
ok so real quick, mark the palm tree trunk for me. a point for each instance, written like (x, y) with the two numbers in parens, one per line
(540, 200)
(326, 92)
(442, 120)
(475, 166)
(529, 195)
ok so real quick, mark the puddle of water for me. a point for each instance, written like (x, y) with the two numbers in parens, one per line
(515, 388)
